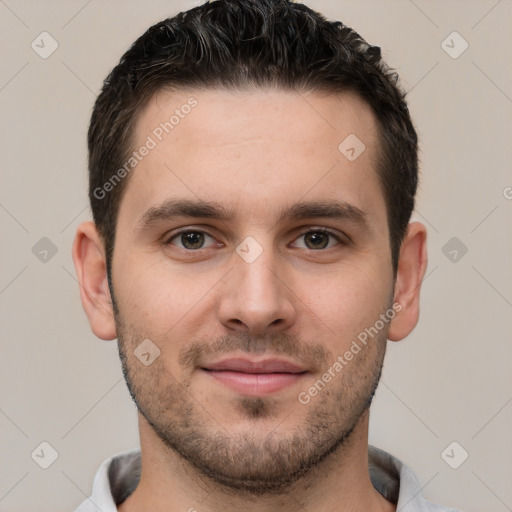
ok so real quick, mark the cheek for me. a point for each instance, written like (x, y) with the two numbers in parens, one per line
(157, 301)
(349, 300)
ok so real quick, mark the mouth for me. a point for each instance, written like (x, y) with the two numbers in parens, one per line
(255, 378)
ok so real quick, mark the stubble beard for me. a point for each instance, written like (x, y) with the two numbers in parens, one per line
(253, 461)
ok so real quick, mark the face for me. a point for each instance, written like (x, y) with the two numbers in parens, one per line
(251, 259)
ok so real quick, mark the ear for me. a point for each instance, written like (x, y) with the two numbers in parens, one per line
(91, 269)
(412, 265)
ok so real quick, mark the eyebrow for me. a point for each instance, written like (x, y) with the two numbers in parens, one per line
(330, 209)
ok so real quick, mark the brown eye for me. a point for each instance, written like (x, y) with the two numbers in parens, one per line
(317, 239)
(189, 240)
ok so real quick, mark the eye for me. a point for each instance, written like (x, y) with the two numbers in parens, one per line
(316, 239)
(194, 240)
(190, 240)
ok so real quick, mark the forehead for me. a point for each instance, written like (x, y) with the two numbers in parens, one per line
(255, 150)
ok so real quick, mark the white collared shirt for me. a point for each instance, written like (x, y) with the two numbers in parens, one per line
(119, 475)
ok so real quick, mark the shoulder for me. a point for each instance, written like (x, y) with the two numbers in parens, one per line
(398, 483)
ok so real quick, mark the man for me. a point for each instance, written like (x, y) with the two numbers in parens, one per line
(253, 170)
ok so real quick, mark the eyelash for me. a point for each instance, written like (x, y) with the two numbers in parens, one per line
(168, 240)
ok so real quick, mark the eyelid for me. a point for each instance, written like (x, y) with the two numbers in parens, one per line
(327, 230)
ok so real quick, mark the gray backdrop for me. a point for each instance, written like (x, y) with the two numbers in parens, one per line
(449, 382)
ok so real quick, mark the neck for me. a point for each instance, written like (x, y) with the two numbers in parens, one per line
(340, 482)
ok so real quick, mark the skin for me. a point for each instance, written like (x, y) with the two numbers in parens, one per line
(203, 444)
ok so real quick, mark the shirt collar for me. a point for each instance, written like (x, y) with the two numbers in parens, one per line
(119, 475)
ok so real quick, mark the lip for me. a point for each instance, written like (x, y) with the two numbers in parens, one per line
(240, 364)
(255, 378)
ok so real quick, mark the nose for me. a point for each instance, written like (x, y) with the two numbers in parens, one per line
(257, 297)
